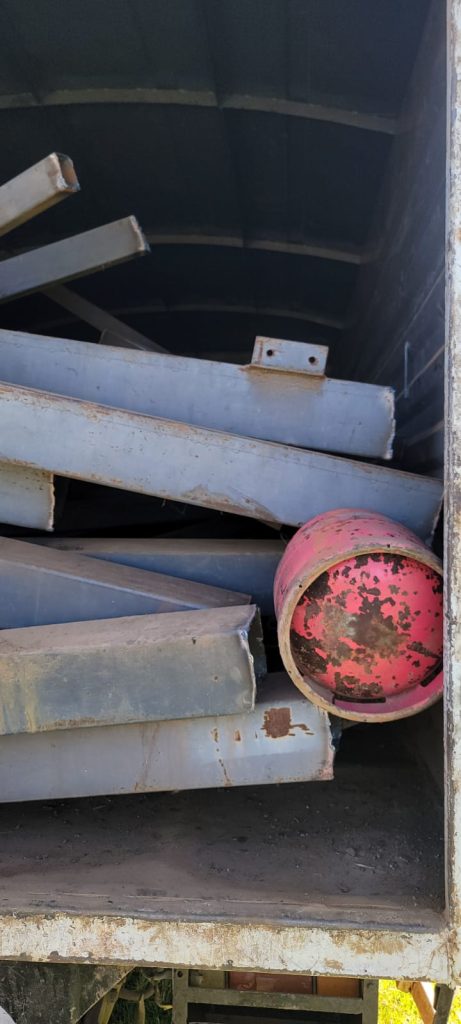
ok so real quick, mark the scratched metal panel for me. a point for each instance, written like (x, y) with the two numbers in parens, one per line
(26, 497)
(284, 739)
(139, 669)
(294, 408)
(274, 483)
(42, 587)
(241, 565)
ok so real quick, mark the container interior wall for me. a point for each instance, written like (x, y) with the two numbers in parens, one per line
(397, 330)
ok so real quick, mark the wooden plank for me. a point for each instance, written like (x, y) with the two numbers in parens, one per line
(36, 190)
(293, 407)
(41, 587)
(73, 257)
(145, 668)
(150, 455)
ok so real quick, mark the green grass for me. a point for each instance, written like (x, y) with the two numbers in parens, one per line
(395, 1007)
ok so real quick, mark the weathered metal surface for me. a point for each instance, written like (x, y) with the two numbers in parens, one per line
(145, 668)
(244, 565)
(100, 319)
(291, 356)
(294, 407)
(26, 497)
(383, 626)
(42, 587)
(91, 938)
(72, 257)
(274, 483)
(35, 190)
(54, 993)
(283, 739)
(452, 703)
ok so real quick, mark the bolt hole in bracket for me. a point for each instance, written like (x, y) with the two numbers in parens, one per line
(289, 356)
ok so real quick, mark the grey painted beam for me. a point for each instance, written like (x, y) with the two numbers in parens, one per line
(254, 401)
(71, 258)
(145, 668)
(98, 318)
(36, 190)
(150, 455)
(204, 98)
(26, 497)
(246, 565)
(284, 739)
(41, 587)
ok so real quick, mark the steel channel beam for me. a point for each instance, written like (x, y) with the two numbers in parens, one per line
(100, 319)
(71, 258)
(142, 668)
(247, 565)
(42, 587)
(149, 455)
(284, 739)
(36, 190)
(271, 404)
(26, 497)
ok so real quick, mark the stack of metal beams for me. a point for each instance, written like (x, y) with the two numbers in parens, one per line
(139, 664)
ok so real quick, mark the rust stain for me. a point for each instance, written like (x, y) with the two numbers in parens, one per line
(278, 723)
(237, 736)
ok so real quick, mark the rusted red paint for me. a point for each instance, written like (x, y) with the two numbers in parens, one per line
(359, 606)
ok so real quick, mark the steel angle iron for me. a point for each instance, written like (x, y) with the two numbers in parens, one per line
(359, 604)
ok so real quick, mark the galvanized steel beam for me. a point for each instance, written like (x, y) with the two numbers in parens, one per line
(42, 587)
(26, 497)
(284, 739)
(98, 318)
(292, 402)
(247, 565)
(145, 668)
(72, 257)
(36, 190)
(149, 455)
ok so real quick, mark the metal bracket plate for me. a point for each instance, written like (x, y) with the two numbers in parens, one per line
(291, 356)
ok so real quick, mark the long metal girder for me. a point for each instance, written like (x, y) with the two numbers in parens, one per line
(71, 258)
(254, 401)
(247, 565)
(36, 190)
(41, 587)
(144, 668)
(100, 319)
(149, 455)
(284, 739)
(26, 497)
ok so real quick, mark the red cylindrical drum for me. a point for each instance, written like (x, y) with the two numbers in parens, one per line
(359, 605)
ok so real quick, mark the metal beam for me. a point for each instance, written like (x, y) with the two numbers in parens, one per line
(298, 407)
(149, 455)
(284, 739)
(145, 668)
(247, 565)
(98, 318)
(71, 258)
(36, 190)
(204, 98)
(41, 587)
(319, 248)
(26, 497)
